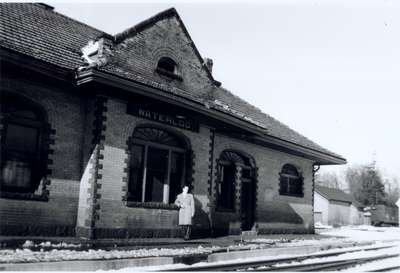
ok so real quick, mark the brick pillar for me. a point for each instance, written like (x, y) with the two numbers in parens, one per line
(88, 193)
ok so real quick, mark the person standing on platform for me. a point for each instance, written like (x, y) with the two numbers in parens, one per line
(185, 202)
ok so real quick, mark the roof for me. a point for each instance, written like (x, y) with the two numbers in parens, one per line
(334, 194)
(38, 31)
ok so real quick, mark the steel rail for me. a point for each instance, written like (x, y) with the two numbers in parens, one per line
(385, 269)
(328, 265)
(259, 263)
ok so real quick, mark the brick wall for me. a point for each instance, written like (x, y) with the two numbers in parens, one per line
(65, 113)
(275, 213)
(115, 218)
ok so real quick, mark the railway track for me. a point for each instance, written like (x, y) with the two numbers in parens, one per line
(386, 269)
(327, 266)
(273, 264)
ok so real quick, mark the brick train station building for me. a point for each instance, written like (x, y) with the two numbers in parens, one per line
(99, 133)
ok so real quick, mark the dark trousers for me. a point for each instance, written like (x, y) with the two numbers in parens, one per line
(187, 229)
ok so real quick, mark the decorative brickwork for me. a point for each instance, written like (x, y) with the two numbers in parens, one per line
(210, 180)
(48, 160)
(314, 171)
(191, 169)
(98, 139)
(238, 192)
(214, 197)
(211, 166)
(125, 178)
(1, 125)
(255, 193)
(88, 212)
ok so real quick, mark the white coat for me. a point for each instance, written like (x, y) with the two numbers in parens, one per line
(185, 202)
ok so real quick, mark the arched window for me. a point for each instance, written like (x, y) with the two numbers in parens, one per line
(168, 67)
(291, 182)
(227, 175)
(22, 156)
(167, 64)
(157, 166)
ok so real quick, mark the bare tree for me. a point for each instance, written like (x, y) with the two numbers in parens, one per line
(365, 183)
(328, 179)
(392, 190)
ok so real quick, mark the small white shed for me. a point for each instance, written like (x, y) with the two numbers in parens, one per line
(335, 207)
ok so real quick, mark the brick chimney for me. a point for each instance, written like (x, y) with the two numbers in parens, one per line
(209, 63)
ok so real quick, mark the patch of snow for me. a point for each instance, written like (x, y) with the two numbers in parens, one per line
(28, 244)
(365, 233)
(31, 244)
(320, 225)
(27, 255)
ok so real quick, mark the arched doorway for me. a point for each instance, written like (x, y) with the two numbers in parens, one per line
(158, 165)
(236, 168)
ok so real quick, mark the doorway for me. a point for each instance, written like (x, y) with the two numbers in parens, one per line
(247, 199)
(234, 167)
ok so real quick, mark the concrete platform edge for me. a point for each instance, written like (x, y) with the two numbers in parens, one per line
(91, 265)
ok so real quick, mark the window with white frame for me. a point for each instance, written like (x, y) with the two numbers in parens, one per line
(157, 166)
(291, 182)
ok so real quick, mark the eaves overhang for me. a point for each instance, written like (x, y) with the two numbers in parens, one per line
(261, 135)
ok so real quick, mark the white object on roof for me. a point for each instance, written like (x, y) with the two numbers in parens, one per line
(89, 50)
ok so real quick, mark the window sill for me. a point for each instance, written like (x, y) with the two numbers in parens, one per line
(151, 205)
(292, 195)
(24, 196)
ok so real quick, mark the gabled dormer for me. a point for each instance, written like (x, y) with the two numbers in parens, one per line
(160, 49)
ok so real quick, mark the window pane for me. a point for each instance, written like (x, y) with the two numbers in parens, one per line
(175, 182)
(21, 139)
(167, 64)
(156, 177)
(157, 159)
(284, 185)
(20, 153)
(295, 186)
(16, 174)
(246, 173)
(136, 173)
(227, 191)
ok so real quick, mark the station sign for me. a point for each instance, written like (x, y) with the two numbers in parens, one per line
(160, 114)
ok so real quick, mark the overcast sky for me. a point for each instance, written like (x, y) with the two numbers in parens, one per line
(328, 69)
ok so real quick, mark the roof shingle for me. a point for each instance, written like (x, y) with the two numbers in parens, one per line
(334, 194)
(44, 34)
